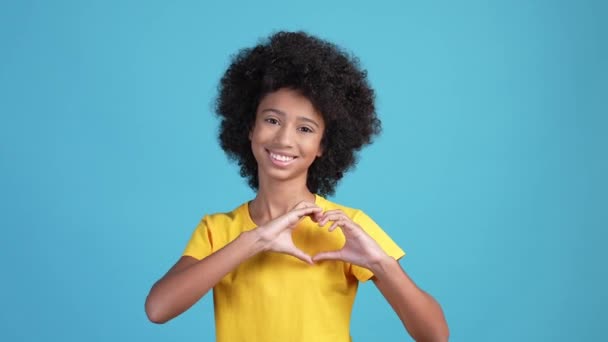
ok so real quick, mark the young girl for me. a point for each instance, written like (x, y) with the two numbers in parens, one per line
(285, 266)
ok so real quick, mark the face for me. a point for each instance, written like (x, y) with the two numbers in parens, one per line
(286, 136)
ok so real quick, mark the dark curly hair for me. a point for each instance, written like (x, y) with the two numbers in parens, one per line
(329, 77)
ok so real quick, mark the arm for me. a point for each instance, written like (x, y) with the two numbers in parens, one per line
(190, 279)
(420, 313)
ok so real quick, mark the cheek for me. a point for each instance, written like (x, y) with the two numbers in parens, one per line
(315, 148)
(255, 135)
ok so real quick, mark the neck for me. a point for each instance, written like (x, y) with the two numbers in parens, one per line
(275, 198)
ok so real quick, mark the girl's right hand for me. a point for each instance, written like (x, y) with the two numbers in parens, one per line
(276, 234)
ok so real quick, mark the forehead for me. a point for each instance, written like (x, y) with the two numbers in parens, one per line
(290, 102)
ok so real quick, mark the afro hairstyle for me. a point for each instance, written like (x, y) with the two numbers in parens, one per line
(330, 78)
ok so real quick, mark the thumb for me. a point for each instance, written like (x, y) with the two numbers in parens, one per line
(300, 255)
(331, 255)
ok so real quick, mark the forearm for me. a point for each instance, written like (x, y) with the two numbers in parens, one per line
(420, 313)
(178, 291)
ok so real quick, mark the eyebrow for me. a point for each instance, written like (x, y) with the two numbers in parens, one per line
(303, 118)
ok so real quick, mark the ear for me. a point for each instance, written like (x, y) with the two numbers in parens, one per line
(321, 146)
(320, 152)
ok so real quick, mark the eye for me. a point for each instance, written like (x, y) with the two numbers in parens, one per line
(305, 129)
(272, 121)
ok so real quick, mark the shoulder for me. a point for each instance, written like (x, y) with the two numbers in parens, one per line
(220, 228)
(238, 216)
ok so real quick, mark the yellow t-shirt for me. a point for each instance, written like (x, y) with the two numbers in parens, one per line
(277, 297)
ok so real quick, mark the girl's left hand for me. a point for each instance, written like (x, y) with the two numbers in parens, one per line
(359, 248)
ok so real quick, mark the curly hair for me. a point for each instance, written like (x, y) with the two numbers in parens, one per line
(329, 77)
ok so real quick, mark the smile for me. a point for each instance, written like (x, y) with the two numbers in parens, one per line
(280, 159)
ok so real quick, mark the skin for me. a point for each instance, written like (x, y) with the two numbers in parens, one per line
(287, 124)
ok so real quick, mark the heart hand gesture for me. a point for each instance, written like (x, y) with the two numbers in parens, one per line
(359, 248)
(276, 234)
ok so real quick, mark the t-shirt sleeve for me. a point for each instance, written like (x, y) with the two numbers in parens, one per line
(201, 241)
(385, 242)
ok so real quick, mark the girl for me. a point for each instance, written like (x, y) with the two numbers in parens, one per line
(285, 266)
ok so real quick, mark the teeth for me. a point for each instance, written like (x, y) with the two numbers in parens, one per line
(280, 157)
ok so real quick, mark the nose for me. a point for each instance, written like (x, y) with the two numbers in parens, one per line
(284, 136)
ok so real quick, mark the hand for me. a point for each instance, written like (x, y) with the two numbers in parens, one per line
(359, 248)
(276, 234)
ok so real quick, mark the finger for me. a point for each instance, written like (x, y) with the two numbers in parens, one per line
(296, 215)
(304, 204)
(331, 255)
(301, 212)
(301, 255)
(293, 217)
(335, 225)
(316, 216)
(335, 211)
(331, 217)
(331, 212)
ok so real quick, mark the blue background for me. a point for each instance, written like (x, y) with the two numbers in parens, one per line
(490, 173)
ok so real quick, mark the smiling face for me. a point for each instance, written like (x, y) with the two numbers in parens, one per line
(286, 136)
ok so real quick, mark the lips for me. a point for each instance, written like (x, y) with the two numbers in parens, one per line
(280, 159)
